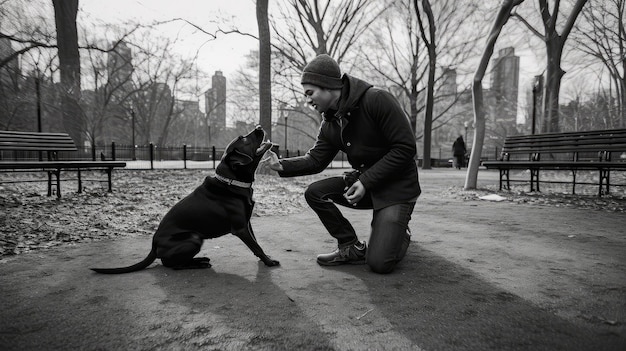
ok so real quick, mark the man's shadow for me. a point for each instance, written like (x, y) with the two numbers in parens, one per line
(229, 310)
(439, 305)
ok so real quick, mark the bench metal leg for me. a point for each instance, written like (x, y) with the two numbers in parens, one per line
(49, 183)
(508, 180)
(80, 182)
(574, 182)
(504, 175)
(534, 180)
(109, 171)
(604, 182)
(57, 175)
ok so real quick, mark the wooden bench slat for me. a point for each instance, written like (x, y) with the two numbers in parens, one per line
(31, 141)
(39, 147)
(60, 164)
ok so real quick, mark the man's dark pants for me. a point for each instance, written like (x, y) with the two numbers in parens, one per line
(389, 237)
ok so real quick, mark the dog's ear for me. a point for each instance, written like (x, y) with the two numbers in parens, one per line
(238, 158)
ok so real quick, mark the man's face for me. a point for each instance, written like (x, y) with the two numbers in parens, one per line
(321, 99)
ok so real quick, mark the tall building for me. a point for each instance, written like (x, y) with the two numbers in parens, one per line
(215, 103)
(504, 86)
(188, 128)
(119, 65)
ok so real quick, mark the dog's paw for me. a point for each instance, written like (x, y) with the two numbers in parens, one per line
(270, 262)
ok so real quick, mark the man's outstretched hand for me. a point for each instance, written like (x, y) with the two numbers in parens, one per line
(271, 157)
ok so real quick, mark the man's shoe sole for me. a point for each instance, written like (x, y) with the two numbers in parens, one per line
(339, 263)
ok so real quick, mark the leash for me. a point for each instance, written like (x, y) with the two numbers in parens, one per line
(233, 182)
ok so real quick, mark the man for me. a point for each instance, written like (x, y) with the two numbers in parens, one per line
(459, 151)
(369, 125)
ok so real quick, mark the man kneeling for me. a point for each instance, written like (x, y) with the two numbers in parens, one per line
(370, 126)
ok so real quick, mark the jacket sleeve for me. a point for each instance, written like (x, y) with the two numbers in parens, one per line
(315, 160)
(396, 129)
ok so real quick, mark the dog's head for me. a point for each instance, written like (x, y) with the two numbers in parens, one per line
(242, 156)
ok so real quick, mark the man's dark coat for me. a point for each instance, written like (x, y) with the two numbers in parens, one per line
(374, 132)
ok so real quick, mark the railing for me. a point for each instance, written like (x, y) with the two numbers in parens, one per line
(153, 156)
(193, 157)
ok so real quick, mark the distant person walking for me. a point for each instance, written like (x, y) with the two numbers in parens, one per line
(459, 151)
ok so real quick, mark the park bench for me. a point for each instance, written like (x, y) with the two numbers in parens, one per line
(602, 151)
(28, 148)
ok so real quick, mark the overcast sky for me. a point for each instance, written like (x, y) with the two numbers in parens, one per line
(225, 53)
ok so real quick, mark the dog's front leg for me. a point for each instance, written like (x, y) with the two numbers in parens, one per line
(247, 236)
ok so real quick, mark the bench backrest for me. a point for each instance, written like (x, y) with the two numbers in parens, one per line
(26, 145)
(32, 141)
(570, 145)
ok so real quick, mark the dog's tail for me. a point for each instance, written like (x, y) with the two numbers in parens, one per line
(136, 267)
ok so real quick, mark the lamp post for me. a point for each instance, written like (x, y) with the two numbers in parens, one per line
(132, 116)
(286, 133)
(38, 93)
(536, 89)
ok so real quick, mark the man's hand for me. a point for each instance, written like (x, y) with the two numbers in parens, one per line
(355, 193)
(273, 160)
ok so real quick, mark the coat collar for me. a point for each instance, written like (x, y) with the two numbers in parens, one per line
(351, 93)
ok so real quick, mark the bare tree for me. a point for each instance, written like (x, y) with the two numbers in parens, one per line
(404, 59)
(602, 35)
(502, 17)
(430, 41)
(265, 66)
(106, 104)
(31, 33)
(401, 62)
(65, 12)
(158, 76)
(26, 31)
(554, 43)
(303, 29)
(321, 27)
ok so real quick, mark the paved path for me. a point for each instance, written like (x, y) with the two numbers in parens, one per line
(479, 275)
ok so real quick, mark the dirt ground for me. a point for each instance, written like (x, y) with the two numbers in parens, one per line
(479, 275)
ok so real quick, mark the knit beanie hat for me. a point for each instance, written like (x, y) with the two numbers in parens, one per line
(322, 71)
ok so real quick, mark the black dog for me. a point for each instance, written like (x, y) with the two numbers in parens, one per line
(221, 205)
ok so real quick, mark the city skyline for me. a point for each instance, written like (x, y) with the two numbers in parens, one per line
(231, 49)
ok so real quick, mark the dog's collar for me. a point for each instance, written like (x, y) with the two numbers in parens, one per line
(233, 182)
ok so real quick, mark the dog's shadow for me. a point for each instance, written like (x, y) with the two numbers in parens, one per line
(230, 309)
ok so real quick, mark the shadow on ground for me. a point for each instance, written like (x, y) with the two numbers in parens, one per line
(441, 306)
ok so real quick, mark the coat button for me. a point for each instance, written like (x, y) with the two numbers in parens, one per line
(348, 144)
(362, 165)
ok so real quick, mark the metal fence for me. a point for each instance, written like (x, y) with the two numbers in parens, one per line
(182, 157)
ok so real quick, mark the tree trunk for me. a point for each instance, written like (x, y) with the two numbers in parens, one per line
(265, 78)
(430, 88)
(554, 49)
(471, 179)
(65, 12)
(428, 111)
(554, 74)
